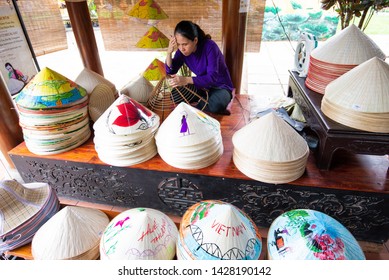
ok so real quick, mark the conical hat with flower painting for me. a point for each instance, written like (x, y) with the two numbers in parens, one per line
(153, 39)
(155, 71)
(304, 234)
(126, 117)
(49, 89)
(216, 230)
(147, 9)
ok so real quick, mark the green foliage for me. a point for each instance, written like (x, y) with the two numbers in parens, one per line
(273, 10)
(315, 15)
(348, 10)
(295, 5)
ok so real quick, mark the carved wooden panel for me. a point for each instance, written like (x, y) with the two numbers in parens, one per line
(365, 214)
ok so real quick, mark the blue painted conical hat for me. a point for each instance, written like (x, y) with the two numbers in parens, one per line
(304, 234)
(49, 89)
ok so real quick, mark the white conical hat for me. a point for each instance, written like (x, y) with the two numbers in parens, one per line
(350, 46)
(89, 79)
(304, 234)
(72, 232)
(215, 230)
(362, 89)
(139, 234)
(125, 117)
(187, 126)
(18, 203)
(100, 99)
(139, 89)
(269, 138)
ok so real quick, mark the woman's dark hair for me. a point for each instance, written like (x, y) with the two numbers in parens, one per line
(19, 77)
(8, 64)
(191, 30)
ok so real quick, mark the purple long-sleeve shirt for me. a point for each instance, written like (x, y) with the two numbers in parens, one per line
(208, 63)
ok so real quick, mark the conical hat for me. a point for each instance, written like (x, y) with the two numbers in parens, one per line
(153, 39)
(71, 232)
(139, 234)
(304, 234)
(49, 89)
(139, 89)
(350, 46)
(269, 138)
(89, 79)
(100, 99)
(155, 71)
(147, 9)
(215, 230)
(187, 126)
(125, 117)
(18, 203)
(362, 89)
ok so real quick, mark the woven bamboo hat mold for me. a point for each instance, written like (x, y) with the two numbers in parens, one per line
(362, 89)
(270, 138)
(139, 234)
(73, 233)
(89, 79)
(19, 202)
(139, 89)
(187, 126)
(350, 46)
(100, 99)
(125, 117)
(216, 230)
(304, 234)
(49, 89)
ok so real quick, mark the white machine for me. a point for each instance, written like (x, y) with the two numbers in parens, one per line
(306, 44)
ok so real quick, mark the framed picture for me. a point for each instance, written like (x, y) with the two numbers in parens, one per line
(18, 62)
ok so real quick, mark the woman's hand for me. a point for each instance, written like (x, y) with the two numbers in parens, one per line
(172, 45)
(179, 81)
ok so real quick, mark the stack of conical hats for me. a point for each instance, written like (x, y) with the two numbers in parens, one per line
(216, 230)
(24, 208)
(139, 234)
(72, 234)
(360, 98)
(339, 54)
(189, 138)
(304, 234)
(53, 113)
(124, 134)
(270, 150)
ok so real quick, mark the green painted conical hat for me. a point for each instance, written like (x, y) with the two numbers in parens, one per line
(49, 89)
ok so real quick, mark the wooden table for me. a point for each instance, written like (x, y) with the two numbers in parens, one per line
(332, 135)
(355, 191)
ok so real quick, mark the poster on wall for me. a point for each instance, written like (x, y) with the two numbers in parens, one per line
(17, 64)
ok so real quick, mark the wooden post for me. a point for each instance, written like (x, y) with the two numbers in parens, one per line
(233, 39)
(11, 133)
(84, 35)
